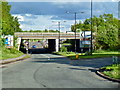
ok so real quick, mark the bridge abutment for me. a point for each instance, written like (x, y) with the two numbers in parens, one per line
(18, 43)
(53, 45)
(57, 45)
(78, 45)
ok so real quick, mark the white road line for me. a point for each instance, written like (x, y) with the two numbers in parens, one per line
(45, 56)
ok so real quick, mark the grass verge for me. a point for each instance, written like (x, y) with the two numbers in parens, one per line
(7, 53)
(72, 55)
(113, 71)
(27, 56)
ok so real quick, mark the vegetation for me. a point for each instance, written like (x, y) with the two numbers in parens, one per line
(66, 44)
(10, 24)
(41, 31)
(2, 42)
(106, 29)
(63, 49)
(112, 71)
(27, 56)
(97, 54)
(7, 53)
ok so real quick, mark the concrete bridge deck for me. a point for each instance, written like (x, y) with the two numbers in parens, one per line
(31, 35)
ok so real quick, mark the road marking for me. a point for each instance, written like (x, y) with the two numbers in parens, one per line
(45, 56)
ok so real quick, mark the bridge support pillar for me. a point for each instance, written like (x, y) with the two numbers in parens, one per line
(78, 45)
(53, 45)
(18, 42)
(57, 45)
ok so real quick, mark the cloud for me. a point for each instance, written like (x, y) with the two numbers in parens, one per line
(28, 15)
(38, 16)
(115, 0)
(21, 26)
(20, 18)
(48, 9)
(42, 22)
(59, 9)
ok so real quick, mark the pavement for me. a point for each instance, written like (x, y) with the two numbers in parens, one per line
(55, 71)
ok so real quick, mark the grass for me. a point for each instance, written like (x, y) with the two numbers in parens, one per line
(6, 53)
(64, 44)
(112, 71)
(27, 56)
(72, 55)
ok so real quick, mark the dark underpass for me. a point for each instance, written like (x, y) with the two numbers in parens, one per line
(38, 50)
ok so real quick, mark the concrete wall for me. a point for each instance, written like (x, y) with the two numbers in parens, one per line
(51, 45)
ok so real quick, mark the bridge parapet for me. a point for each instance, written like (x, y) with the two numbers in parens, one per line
(31, 35)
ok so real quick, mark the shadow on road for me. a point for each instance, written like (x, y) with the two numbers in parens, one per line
(38, 50)
(93, 63)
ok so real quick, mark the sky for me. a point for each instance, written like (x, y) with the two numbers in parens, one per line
(39, 15)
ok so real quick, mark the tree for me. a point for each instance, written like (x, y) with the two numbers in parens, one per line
(107, 30)
(10, 24)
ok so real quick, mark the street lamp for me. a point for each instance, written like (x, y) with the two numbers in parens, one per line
(59, 25)
(91, 28)
(75, 13)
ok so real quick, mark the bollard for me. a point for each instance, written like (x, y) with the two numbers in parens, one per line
(115, 59)
(77, 56)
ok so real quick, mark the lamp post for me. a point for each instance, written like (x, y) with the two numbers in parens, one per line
(59, 34)
(59, 25)
(75, 32)
(91, 28)
(75, 13)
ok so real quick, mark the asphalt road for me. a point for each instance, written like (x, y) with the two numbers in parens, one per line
(54, 71)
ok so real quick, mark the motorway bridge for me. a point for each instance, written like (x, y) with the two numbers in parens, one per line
(53, 38)
(31, 35)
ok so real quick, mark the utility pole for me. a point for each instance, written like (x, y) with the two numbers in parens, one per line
(91, 29)
(59, 25)
(75, 13)
(59, 35)
(75, 33)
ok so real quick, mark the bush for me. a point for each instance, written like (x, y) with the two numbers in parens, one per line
(9, 53)
(87, 53)
(13, 50)
(63, 49)
(10, 50)
(104, 51)
(99, 51)
(2, 42)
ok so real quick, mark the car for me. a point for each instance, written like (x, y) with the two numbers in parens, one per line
(34, 46)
